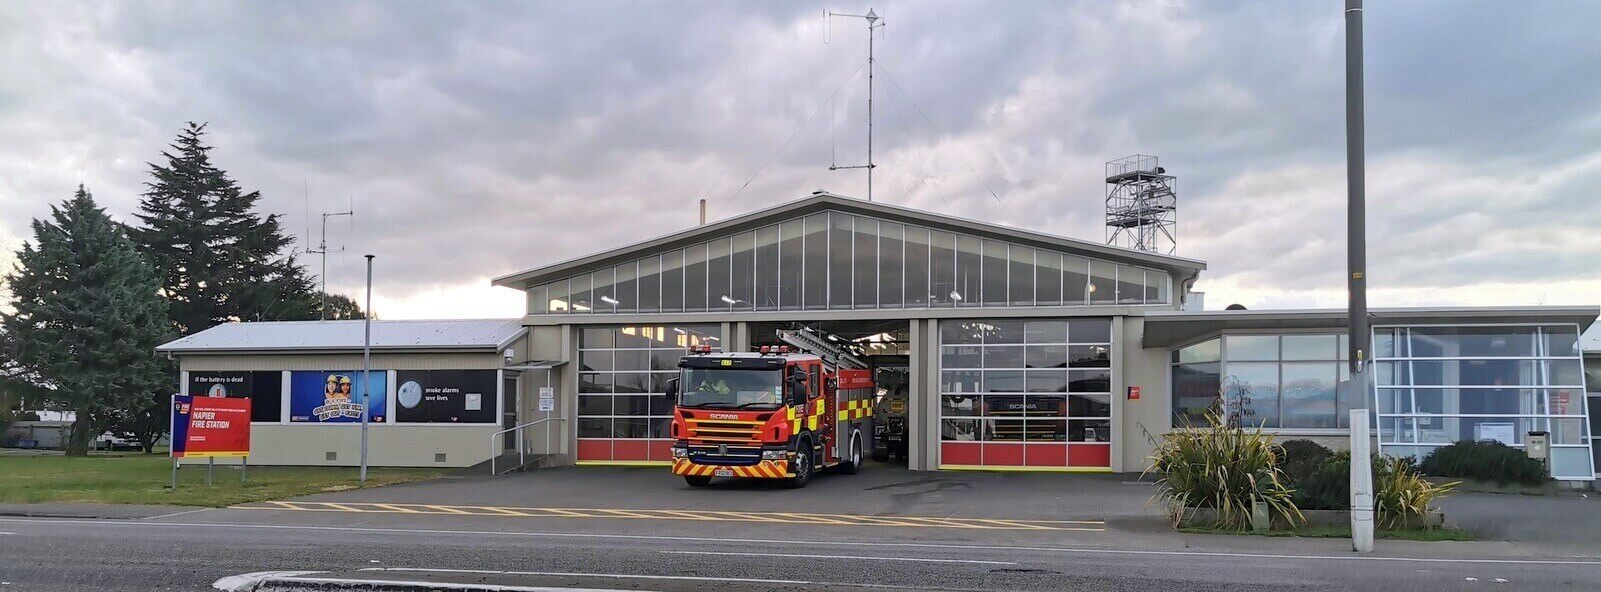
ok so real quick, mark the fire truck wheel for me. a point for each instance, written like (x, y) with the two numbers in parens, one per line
(802, 466)
(881, 454)
(697, 480)
(853, 462)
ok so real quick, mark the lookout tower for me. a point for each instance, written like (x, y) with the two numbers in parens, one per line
(1141, 205)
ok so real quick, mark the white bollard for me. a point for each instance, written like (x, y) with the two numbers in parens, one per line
(1361, 483)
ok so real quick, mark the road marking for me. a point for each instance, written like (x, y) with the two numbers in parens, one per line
(248, 581)
(175, 514)
(862, 558)
(692, 515)
(563, 574)
(430, 585)
(954, 546)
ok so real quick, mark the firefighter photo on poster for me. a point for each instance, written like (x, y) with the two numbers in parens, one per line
(335, 397)
(445, 396)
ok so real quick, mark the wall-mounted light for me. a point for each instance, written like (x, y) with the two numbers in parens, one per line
(957, 296)
(609, 300)
(728, 301)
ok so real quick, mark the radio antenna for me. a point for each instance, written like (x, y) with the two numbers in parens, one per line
(323, 250)
(874, 24)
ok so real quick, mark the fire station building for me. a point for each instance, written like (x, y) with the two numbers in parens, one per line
(1001, 349)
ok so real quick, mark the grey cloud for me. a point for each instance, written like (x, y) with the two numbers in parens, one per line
(481, 138)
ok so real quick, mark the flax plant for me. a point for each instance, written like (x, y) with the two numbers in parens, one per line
(1222, 467)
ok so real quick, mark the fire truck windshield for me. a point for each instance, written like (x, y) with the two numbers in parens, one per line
(731, 389)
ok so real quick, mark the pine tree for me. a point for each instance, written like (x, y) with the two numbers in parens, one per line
(87, 319)
(218, 259)
(343, 308)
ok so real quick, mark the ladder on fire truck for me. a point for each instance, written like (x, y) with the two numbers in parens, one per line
(809, 340)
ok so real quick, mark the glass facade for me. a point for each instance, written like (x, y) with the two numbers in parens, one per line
(623, 413)
(1592, 387)
(1033, 393)
(1441, 384)
(1273, 381)
(832, 261)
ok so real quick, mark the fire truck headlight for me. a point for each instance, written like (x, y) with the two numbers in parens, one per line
(774, 455)
(680, 452)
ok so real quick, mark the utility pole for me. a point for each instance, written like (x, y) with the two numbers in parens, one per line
(322, 249)
(1356, 262)
(366, 372)
(874, 22)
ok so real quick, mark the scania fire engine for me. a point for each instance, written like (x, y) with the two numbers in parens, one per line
(770, 414)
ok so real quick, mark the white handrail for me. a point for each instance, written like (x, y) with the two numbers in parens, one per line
(522, 447)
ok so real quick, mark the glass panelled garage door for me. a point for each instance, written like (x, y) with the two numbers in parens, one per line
(1034, 393)
(623, 413)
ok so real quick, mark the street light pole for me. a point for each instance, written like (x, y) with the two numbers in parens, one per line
(366, 371)
(1356, 263)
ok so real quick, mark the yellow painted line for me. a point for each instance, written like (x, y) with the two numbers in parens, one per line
(749, 517)
(509, 512)
(700, 515)
(623, 513)
(810, 519)
(562, 512)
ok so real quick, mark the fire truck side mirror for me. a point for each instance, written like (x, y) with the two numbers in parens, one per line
(672, 389)
(797, 386)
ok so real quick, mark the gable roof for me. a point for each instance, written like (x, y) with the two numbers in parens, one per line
(479, 334)
(821, 201)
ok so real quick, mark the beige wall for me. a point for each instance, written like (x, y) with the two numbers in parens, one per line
(399, 445)
(1142, 421)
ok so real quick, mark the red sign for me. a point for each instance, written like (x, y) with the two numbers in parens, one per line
(210, 426)
(854, 379)
(1133, 393)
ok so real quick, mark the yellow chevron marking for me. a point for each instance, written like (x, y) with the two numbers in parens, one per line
(788, 518)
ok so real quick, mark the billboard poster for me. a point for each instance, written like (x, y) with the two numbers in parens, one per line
(220, 384)
(335, 396)
(445, 396)
(264, 388)
(210, 426)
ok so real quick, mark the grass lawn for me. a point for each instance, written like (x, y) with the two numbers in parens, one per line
(133, 478)
(1344, 532)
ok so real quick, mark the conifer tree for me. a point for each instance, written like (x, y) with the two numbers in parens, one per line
(218, 259)
(87, 318)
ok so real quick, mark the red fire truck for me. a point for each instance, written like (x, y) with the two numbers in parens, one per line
(771, 414)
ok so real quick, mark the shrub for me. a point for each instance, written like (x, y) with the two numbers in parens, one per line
(1327, 485)
(1301, 458)
(1400, 492)
(1486, 460)
(1222, 467)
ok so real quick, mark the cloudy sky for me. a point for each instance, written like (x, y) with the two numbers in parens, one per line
(477, 139)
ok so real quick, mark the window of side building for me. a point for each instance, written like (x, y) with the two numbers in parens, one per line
(1280, 381)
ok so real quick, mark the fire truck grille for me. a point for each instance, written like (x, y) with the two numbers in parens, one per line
(734, 456)
(730, 431)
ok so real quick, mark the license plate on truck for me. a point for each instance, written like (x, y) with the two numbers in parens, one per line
(724, 473)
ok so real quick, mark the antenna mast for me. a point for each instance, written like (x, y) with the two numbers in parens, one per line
(874, 23)
(322, 249)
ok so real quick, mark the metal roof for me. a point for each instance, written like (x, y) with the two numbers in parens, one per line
(1173, 328)
(474, 334)
(823, 200)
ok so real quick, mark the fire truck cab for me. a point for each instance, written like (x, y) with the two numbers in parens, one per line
(771, 414)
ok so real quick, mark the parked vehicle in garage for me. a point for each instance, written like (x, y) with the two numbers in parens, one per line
(772, 414)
